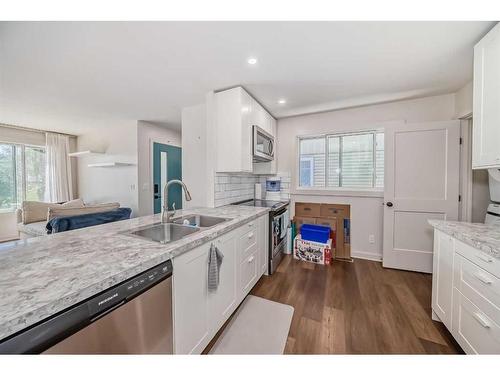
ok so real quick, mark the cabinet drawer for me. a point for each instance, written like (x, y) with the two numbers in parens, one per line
(479, 286)
(307, 209)
(303, 220)
(482, 259)
(248, 272)
(475, 331)
(331, 210)
(247, 241)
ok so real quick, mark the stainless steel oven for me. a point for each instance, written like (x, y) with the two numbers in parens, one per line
(263, 145)
(278, 221)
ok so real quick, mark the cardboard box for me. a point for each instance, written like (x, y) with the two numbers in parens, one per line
(313, 252)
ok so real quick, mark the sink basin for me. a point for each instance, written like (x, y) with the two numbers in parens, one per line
(164, 233)
(200, 221)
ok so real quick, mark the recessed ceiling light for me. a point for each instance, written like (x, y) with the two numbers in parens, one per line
(282, 101)
(252, 61)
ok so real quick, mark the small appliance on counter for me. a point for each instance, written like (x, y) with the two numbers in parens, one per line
(273, 188)
(258, 191)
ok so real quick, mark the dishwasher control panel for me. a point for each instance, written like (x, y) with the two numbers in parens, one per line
(128, 289)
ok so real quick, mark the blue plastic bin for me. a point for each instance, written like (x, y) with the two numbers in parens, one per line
(315, 233)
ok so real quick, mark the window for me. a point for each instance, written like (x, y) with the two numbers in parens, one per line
(22, 174)
(354, 160)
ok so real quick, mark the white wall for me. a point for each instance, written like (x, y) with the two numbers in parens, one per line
(147, 133)
(115, 184)
(366, 211)
(463, 101)
(198, 156)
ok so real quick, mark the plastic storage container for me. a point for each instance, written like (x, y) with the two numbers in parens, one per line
(315, 233)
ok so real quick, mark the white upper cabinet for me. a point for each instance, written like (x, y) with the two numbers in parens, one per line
(234, 131)
(486, 126)
(236, 113)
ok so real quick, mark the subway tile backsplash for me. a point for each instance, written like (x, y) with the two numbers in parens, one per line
(230, 187)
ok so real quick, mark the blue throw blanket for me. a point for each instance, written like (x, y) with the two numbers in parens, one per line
(62, 224)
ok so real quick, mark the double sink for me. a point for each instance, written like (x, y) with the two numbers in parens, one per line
(178, 228)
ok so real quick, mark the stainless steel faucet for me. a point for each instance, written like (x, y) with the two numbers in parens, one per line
(165, 200)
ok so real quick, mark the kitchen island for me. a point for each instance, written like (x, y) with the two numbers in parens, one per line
(40, 277)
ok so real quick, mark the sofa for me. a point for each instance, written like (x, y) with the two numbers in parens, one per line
(32, 218)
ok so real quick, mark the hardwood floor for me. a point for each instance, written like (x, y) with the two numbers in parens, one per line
(359, 308)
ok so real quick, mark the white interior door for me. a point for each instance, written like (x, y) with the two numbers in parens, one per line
(421, 182)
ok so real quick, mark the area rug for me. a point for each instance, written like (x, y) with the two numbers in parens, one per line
(259, 326)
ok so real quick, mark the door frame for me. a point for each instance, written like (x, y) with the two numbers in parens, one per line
(465, 189)
(153, 140)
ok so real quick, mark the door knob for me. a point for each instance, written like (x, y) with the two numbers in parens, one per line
(389, 204)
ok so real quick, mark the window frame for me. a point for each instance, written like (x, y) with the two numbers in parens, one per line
(22, 146)
(339, 190)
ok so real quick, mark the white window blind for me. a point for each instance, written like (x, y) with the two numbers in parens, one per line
(354, 160)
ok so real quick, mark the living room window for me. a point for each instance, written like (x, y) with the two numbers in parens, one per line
(22, 174)
(337, 161)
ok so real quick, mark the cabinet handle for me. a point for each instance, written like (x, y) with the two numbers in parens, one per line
(250, 235)
(483, 279)
(250, 260)
(485, 259)
(482, 320)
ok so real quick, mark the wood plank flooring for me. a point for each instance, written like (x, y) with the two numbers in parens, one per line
(358, 308)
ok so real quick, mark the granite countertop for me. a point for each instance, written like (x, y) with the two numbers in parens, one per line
(42, 276)
(484, 237)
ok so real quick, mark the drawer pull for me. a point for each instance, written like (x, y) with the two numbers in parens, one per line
(485, 259)
(250, 235)
(482, 320)
(483, 279)
(250, 224)
(250, 260)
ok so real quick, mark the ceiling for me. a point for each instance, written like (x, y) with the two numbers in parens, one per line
(67, 75)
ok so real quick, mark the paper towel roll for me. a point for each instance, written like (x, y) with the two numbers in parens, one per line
(258, 191)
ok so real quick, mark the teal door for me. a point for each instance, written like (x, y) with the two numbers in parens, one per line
(167, 165)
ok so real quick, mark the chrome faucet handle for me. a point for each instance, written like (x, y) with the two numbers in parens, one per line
(170, 217)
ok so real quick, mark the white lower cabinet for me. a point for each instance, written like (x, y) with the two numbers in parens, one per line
(468, 300)
(442, 277)
(200, 313)
(190, 304)
(224, 300)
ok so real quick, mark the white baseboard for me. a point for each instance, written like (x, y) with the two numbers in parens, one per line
(366, 255)
(6, 239)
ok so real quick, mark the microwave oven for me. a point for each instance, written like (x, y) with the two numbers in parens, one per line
(263, 145)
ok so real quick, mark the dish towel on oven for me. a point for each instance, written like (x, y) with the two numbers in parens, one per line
(214, 263)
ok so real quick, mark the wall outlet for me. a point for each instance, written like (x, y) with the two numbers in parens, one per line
(371, 238)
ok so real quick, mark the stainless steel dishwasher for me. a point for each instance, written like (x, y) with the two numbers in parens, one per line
(133, 317)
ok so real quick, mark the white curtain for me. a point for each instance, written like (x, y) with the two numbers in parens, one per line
(58, 182)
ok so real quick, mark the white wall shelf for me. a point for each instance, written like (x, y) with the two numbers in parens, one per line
(108, 165)
(85, 153)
